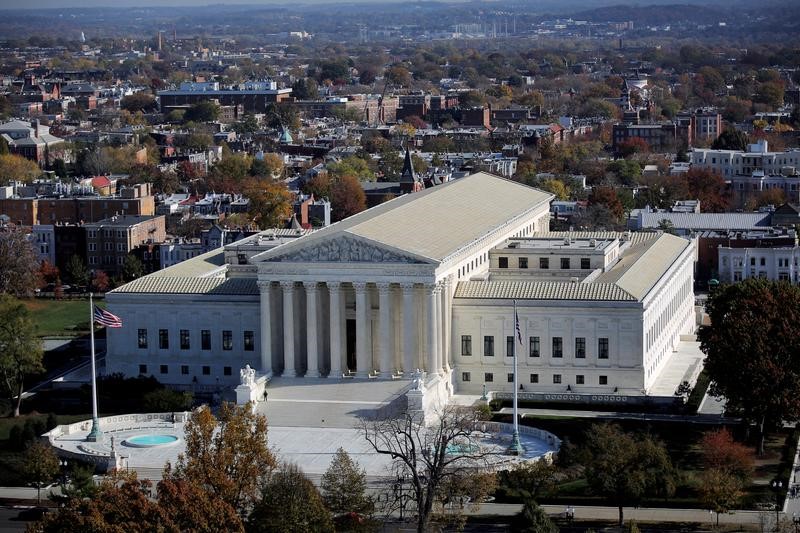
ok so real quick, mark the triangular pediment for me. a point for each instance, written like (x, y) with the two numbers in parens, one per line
(344, 249)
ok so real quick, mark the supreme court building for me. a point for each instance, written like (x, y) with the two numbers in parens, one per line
(424, 281)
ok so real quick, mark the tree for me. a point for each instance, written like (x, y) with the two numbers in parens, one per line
(398, 75)
(530, 480)
(76, 271)
(270, 166)
(347, 197)
(20, 348)
(40, 466)
(557, 187)
(731, 139)
(49, 274)
(634, 145)
(319, 185)
(132, 268)
(344, 486)
(165, 400)
(140, 101)
(270, 203)
(17, 168)
(710, 188)
(606, 195)
(719, 491)
(228, 454)
(352, 166)
(190, 507)
(202, 112)
(420, 452)
(727, 469)
(532, 519)
(289, 503)
(246, 125)
(100, 281)
(625, 467)
(753, 351)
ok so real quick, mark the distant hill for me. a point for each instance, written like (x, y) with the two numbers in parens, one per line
(655, 14)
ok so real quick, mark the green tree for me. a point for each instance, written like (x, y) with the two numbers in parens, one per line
(344, 486)
(532, 519)
(289, 503)
(132, 268)
(167, 400)
(202, 112)
(76, 271)
(81, 483)
(19, 270)
(140, 101)
(752, 351)
(20, 348)
(731, 139)
(352, 166)
(625, 467)
(40, 466)
(246, 125)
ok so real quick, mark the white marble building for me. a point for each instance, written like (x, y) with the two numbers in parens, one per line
(779, 264)
(397, 288)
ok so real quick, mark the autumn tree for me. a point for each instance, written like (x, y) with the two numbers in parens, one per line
(40, 466)
(625, 467)
(20, 348)
(752, 351)
(710, 188)
(17, 168)
(192, 508)
(557, 187)
(606, 195)
(419, 452)
(347, 197)
(344, 486)
(319, 185)
(270, 203)
(228, 454)
(140, 101)
(100, 281)
(289, 503)
(727, 469)
(49, 274)
(634, 145)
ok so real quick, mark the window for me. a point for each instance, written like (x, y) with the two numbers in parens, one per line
(92, 247)
(544, 263)
(585, 263)
(603, 380)
(488, 346)
(523, 262)
(205, 339)
(142, 338)
(206, 370)
(509, 346)
(579, 379)
(142, 369)
(249, 341)
(184, 339)
(556, 379)
(602, 348)
(510, 377)
(488, 377)
(466, 344)
(164, 369)
(226, 371)
(534, 347)
(565, 263)
(752, 261)
(185, 370)
(163, 339)
(763, 262)
(534, 378)
(558, 347)
(465, 376)
(580, 347)
(502, 262)
(227, 339)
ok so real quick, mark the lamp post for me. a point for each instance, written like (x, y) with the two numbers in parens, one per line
(796, 522)
(777, 486)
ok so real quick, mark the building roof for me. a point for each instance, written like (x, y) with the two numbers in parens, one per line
(706, 221)
(541, 290)
(191, 285)
(438, 222)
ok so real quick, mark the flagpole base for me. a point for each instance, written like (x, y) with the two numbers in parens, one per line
(516, 446)
(95, 435)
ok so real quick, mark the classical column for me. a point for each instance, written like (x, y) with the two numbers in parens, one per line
(431, 295)
(444, 325)
(437, 324)
(334, 288)
(312, 363)
(363, 351)
(265, 288)
(288, 328)
(385, 318)
(409, 330)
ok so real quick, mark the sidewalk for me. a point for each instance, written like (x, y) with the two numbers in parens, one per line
(653, 417)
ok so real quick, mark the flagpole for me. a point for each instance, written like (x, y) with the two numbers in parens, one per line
(95, 434)
(516, 445)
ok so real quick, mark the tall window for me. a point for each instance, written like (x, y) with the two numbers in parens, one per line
(579, 380)
(556, 379)
(502, 262)
(558, 347)
(488, 377)
(510, 346)
(565, 263)
(227, 339)
(163, 339)
(585, 263)
(534, 347)
(465, 376)
(534, 378)
(580, 347)
(488, 346)
(523, 262)
(142, 338)
(544, 263)
(249, 341)
(602, 348)
(205, 339)
(184, 339)
(466, 344)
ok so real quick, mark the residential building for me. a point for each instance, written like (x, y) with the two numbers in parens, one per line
(109, 241)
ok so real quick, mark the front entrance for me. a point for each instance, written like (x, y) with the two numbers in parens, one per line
(351, 345)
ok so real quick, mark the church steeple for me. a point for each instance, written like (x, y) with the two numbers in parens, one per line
(408, 176)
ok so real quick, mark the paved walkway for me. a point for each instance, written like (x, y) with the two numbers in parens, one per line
(616, 415)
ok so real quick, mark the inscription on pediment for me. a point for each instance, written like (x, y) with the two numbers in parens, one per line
(343, 250)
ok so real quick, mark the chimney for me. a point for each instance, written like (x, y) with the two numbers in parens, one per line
(35, 126)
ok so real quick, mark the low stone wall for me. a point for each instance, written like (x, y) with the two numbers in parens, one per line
(118, 422)
(508, 429)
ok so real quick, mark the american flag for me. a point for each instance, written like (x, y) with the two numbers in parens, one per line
(107, 319)
(519, 331)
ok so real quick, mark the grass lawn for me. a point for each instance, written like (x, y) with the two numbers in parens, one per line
(61, 318)
(681, 441)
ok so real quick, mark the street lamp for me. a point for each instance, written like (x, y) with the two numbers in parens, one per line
(796, 522)
(777, 485)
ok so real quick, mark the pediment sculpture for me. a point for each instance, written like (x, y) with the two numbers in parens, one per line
(344, 250)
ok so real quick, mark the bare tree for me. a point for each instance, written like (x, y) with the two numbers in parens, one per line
(430, 457)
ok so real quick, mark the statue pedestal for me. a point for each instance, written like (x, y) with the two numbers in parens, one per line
(252, 391)
(427, 397)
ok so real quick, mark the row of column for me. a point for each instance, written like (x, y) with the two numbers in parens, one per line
(437, 328)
